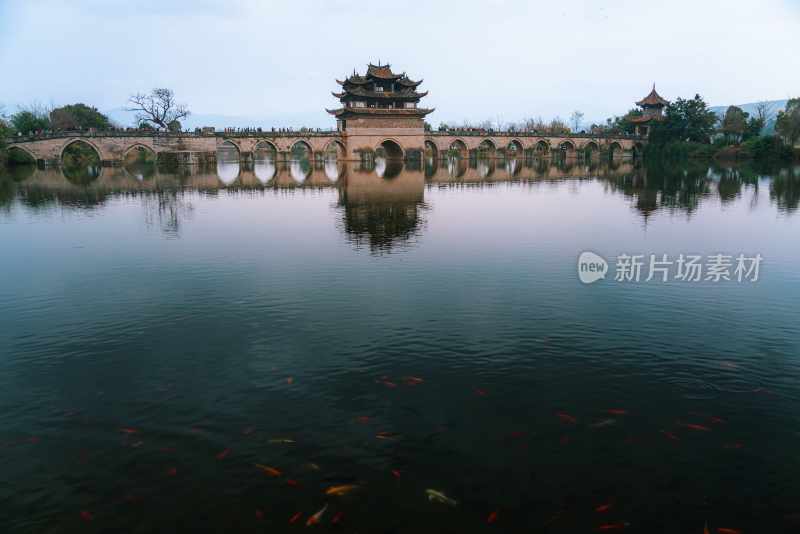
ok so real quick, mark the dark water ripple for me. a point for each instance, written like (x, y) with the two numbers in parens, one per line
(136, 349)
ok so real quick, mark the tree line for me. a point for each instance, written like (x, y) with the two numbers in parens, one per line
(156, 110)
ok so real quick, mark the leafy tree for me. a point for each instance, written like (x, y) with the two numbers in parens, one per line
(30, 120)
(158, 108)
(685, 120)
(78, 117)
(788, 122)
(734, 123)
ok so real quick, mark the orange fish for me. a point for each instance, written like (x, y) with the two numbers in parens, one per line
(612, 526)
(316, 518)
(616, 411)
(364, 419)
(223, 454)
(396, 473)
(86, 516)
(292, 482)
(696, 427)
(338, 491)
(337, 518)
(603, 508)
(290, 380)
(670, 435)
(271, 471)
(387, 435)
(172, 472)
(492, 518)
(413, 380)
(295, 517)
(129, 430)
(567, 418)
(729, 531)
(705, 529)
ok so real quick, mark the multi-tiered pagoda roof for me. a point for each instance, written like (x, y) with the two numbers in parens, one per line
(379, 91)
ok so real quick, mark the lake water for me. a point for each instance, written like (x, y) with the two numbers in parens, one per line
(397, 329)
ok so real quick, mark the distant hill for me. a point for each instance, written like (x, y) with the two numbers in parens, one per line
(777, 105)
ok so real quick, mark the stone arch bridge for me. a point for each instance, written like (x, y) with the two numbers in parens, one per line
(192, 148)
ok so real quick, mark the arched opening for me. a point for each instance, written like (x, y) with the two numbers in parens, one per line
(590, 149)
(334, 150)
(301, 151)
(20, 156)
(80, 162)
(456, 166)
(541, 148)
(567, 148)
(389, 149)
(486, 167)
(265, 157)
(431, 152)
(458, 149)
(299, 169)
(486, 149)
(514, 148)
(333, 169)
(140, 161)
(614, 150)
(228, 166)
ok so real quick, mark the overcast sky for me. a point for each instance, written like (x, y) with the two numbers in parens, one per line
(498, 59)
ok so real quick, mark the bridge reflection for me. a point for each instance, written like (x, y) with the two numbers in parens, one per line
(382, 204)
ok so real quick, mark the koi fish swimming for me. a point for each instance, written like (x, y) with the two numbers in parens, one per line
(283, 441)
(344, 489)
(316, 518)
(271, 471)
(567, 418)
(438, 496)
(387, 435)
(603, 423)
(222, 455)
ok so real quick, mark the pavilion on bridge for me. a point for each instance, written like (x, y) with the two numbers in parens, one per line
(652, 111)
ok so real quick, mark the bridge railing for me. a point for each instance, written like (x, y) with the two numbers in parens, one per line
(527, 133)
(252, 132)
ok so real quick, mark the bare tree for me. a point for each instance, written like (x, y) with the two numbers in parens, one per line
(576, 118)
(158, 108)
(765, 111)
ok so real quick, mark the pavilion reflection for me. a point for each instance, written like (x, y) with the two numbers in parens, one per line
(383, 213)
(383, 203)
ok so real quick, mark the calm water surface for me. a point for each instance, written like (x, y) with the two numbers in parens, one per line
(398, 329)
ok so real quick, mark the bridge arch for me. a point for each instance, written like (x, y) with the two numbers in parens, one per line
(300, 149)
(542, 147)
(514, 147)
(28, 154)
(335, 149)
(614, 149)
(230, 143)
(86, 142)
(391, 148)
(431, 151)
(487, 148)
(458, 147)
(139, 147)
(265, 144)
(567, 147)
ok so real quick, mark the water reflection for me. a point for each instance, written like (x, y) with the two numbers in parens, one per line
(383, 203)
